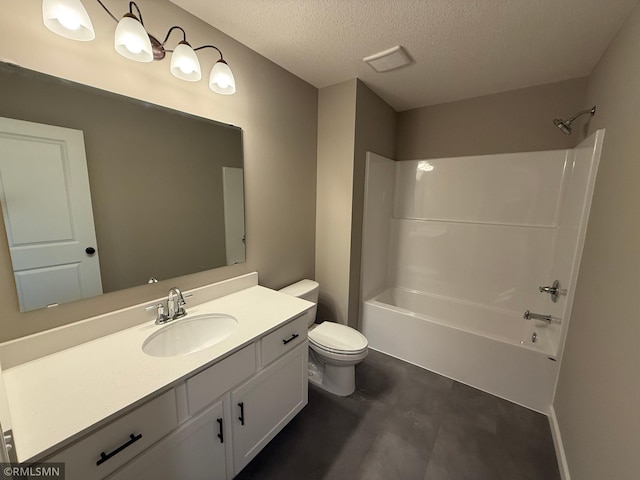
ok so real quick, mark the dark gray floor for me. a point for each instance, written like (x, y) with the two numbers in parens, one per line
(406, 423)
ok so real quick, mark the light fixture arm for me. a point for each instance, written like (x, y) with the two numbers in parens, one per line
(210, 46)
(115, 19)
(133, 4)
(175, 27)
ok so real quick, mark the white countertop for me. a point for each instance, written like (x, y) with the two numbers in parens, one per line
(59, 397)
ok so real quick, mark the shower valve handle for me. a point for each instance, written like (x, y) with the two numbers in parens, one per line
(551, 290)
(554, 290)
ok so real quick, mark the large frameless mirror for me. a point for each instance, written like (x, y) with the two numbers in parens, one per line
(102, 192)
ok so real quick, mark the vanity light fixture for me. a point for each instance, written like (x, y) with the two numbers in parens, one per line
(69, 19)
(131, 39)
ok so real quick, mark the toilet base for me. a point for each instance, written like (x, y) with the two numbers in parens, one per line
(340, 380)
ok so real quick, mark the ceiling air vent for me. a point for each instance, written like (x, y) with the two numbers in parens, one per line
(391, 59)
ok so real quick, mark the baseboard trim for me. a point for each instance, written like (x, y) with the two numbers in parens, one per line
(557, 443)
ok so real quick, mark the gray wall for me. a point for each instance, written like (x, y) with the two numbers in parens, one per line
(336, 137)
(351, 121)
(515, 121)
(598, 396)
(278, 114)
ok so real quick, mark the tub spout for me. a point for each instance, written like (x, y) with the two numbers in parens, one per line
(536, 316)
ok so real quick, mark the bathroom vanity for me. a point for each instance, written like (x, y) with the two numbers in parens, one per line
(109, 410)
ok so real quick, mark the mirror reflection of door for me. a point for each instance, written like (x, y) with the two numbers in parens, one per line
(46, 203)
(7, 446)
(233, 193)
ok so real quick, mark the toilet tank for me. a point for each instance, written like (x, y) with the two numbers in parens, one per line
(307, 290)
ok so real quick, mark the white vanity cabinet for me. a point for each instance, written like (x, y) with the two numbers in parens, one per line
(266, 403)
(195, 451)
(104, 450)
(208, 427)
(219, 442)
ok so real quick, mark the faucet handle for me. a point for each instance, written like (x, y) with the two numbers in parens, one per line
(554, 290)
(181, 303)
(161, 316)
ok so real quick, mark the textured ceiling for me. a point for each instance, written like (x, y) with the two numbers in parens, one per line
(461, 48)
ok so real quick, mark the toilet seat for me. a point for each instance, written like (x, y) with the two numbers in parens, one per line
(338, 339)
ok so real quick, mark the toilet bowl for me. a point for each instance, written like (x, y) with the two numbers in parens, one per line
(334, 349)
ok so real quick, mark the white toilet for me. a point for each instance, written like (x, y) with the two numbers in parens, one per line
(334, 349)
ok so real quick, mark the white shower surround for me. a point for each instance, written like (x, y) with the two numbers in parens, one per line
(454, 250)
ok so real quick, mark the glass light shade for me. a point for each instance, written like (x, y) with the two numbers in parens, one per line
(221, 79)
(185, 64)
(68, 18)
(132, 40)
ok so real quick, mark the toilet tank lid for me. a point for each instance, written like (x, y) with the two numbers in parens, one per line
(300, 288)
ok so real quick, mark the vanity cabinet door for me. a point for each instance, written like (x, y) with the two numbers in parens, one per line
(266, 403)
(105, 449)
(195, 451)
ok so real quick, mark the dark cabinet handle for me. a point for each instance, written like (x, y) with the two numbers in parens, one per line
(106, 456)
(241, 417)
(90, 250)
(221, 434)
(291, 338)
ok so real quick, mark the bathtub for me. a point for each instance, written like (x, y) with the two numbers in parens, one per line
(487, 348)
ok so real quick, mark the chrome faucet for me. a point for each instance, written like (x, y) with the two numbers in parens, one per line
(175, 304)
(536, 316)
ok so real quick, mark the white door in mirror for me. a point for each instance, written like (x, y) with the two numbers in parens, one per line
(47, 213)
(233, 195)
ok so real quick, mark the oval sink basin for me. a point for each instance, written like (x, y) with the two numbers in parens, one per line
(189, 335)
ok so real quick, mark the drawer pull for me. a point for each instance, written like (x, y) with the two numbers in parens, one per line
(221, 434)
(106, 456)
(241, 417)
(291, 338)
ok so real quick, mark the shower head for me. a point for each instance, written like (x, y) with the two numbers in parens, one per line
(565, 125)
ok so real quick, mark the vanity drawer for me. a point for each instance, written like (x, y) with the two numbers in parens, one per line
(284, 339)
(120, 440)
(210, 384)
